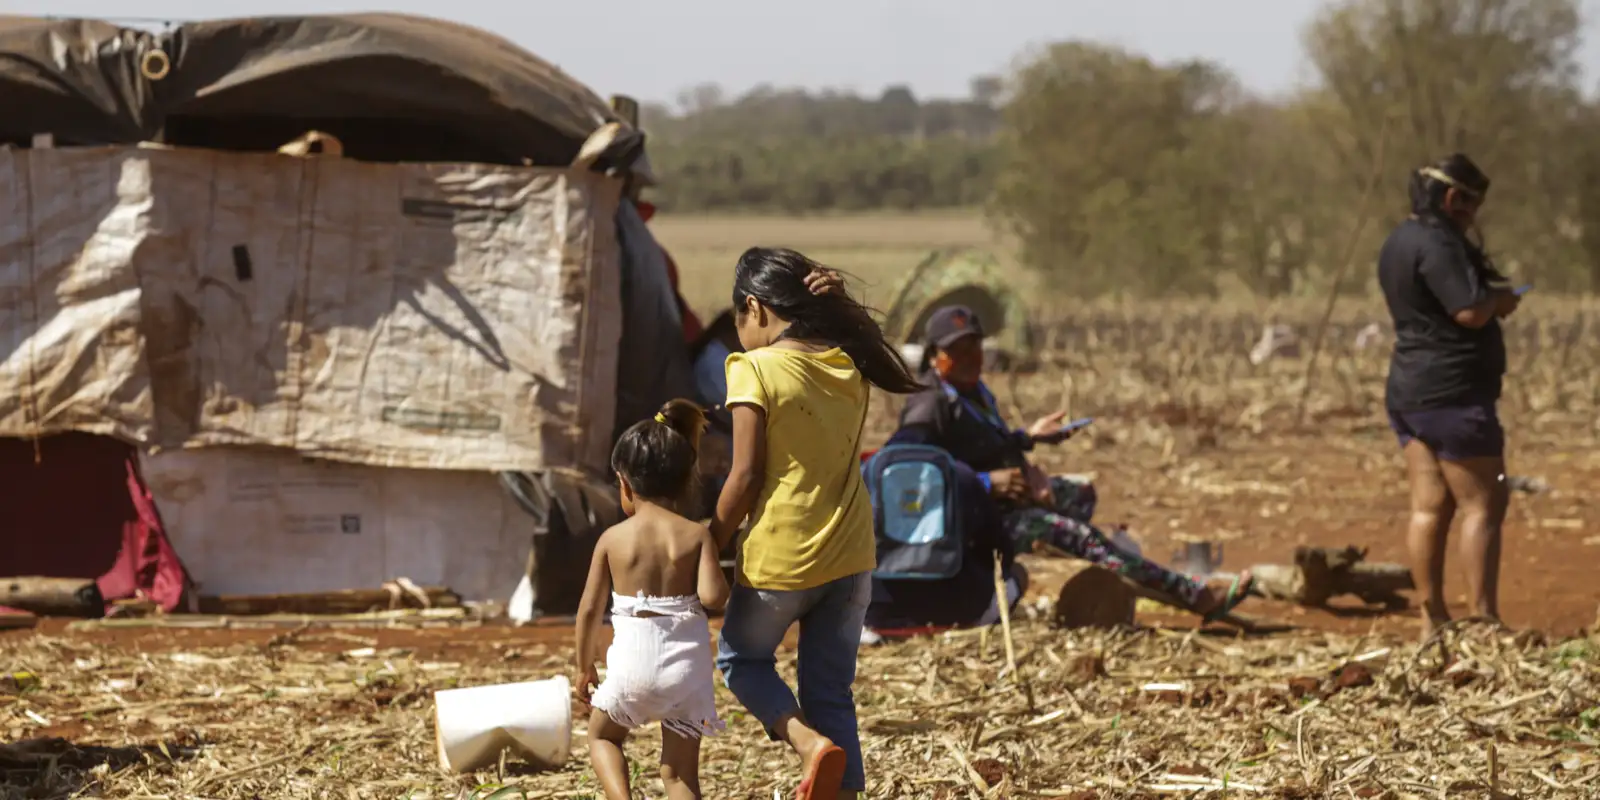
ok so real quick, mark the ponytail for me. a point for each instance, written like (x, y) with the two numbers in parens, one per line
(657, 457)
(776, 278)
(686, 418)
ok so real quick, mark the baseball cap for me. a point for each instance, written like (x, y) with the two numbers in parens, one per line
(950, 323)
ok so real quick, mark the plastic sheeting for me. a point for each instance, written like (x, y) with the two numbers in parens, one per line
(414, 315)
(91, 82)
(258, 521)
(653, 365)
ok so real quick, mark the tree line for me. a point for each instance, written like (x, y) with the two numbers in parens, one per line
(795, 151)
(1119, 173)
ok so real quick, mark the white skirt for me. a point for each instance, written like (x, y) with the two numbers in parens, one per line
(659, 668)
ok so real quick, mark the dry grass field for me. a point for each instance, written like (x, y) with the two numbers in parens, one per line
(1191, 441)
(873, 247)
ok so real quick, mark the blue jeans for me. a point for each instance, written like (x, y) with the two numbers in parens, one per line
(830, 618)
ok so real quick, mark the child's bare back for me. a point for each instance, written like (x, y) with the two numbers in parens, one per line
(657, 553)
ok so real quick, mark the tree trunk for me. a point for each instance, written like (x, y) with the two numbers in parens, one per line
(349, 601)
(1095, 598)
(1320, 574)
(52, 597)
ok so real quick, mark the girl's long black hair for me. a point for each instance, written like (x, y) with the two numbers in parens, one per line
(776, 278)
(1428, 188)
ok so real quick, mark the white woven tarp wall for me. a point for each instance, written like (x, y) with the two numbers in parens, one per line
(456, 316)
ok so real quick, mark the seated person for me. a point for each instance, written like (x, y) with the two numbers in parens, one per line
(903, 608)
(958, 414)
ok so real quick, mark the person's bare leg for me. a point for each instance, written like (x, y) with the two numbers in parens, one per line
(1428, 531)
(1483, 497)
(807, 743)
(605, 754)
(802, 737)
(680, 765)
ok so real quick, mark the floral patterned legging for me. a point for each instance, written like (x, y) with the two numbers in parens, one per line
(1066, 527)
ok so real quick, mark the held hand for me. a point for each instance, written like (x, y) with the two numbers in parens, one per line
(588, 679)
(716, 455)
(1047, 429)
(1008, 484)
(824, 281)
(1506, 302)
(1039, 489)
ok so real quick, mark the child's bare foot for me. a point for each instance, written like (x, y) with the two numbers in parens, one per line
(1221, 597)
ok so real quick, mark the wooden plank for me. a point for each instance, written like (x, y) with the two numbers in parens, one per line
(350, 601)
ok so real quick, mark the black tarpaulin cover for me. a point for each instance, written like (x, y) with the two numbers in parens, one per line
(88, 82)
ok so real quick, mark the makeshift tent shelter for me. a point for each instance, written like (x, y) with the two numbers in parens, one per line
(960, 276)
(426, 325)
(391, 87)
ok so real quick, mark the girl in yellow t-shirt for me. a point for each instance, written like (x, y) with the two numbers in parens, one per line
(798, 395)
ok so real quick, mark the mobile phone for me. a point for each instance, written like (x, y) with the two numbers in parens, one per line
(1076, 424)
(1522, 290)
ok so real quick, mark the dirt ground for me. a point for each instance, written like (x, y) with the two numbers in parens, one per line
(1345, 485)
(344, 712)
(1334, 483)
(1259, 502)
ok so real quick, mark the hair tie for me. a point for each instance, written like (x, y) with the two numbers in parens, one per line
(661, 418)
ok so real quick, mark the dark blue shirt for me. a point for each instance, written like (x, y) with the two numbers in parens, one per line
(1429, 272)
(966, 424)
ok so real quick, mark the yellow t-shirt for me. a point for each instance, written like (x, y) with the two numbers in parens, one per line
(813, 520)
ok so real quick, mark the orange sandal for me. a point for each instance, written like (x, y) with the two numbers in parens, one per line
(823, 775)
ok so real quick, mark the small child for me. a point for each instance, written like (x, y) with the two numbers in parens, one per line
(663, 572)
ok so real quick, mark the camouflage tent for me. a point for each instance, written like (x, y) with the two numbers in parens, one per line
(962, 276)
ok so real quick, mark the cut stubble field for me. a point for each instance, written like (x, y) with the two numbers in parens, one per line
(1191, 441)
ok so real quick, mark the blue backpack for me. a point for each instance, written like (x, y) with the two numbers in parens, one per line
(913, 492)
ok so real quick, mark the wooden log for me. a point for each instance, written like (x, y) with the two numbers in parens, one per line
(1095, 598)
(1235, 619)
(10, 620)
(349, 601)
(1279, 582)
(52, 597)
(410, 618)
(1320, 574)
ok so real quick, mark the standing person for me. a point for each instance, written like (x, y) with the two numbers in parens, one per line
(956, 412)
(799, 400)
(1444, 381)
(662, 572)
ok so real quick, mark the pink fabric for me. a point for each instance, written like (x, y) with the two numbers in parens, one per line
(147, 567)
(75, 506)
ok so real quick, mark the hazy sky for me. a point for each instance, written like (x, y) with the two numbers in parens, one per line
(651, 49)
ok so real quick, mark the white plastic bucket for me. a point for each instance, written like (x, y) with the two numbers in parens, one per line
(534, 719)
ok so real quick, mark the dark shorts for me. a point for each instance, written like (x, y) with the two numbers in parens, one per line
(1453, 433)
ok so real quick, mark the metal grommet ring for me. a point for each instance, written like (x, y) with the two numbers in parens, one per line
(155, 65)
